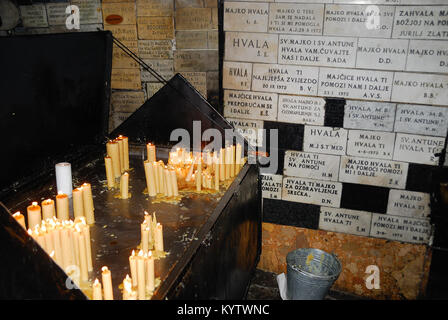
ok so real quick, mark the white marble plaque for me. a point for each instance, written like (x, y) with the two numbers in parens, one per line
(371, 144)
(56, 13)
(250, 105)
(251, 47)
(249, 129)
(236, 75)
(311, 165)
(418, 119)
(375, 172)
(345, 221)
(427, 56)
(409, 203)
(383, 54)
(34, 16)
(369, 115)
(317, 192)
(325, 140)
(420, 88)
(418, 149)
(358, 20)
(355, 84)
(421, 22)
(285, 79)
(290, 18)
(301, 109)
(243, 16)
(400, 228)
(271, 186)
(162, 67)
(317, 51)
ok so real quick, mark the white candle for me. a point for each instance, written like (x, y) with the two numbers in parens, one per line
(151, 151)
(87, 199)
(62, 206)
(48, 211)
(97, 294)
(20, 219)
(82, 255)
(34, 215)
(78, 203)
(128, 293)
(156, 176)
(57, 244)
(174, 182)
(109, 172)
(222, 155)
(107, 283)
(124, 186)
(150, 181)
(114, 152)
(141, 276)
(150, 272)
(158, 238)
(86, 232)
(145, 239)
(133, 267)
(64, 178)
(66, 248)
(168, 184)
(120, 153)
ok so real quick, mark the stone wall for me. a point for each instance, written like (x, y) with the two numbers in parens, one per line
(358, 94)
(171, 36)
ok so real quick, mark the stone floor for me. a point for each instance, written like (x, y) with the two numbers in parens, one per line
(264, 287)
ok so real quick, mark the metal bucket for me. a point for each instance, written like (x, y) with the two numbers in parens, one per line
(310, 273)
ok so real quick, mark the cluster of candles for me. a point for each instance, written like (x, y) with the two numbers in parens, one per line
(67, 242)
(82, 207)
(117, 164)
(202, 169)
(142, 279)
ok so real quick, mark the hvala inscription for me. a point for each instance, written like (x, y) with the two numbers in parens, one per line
(317, 51)
(251, 47)
(345, 221)
(325, 140)
(237, 75)
(409, 203)
(371, 144)
(400, 228)
(420, 88)
(373, 172)
(369, 115)
(311, 165)
(284, 79)
(351, 20)
(249, 129)
(383, 54)
(426, 120)
(297, 109)
(312, 191)
(418, 149)
(271, 186)
(356, 84)
(251, 17)
(250, 105)
(427, 56)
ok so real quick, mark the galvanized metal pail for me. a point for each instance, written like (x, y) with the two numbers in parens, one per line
(310, 273)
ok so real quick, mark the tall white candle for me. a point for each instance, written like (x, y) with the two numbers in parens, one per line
(78, 203)
(48, 211)
(141, 276)
(64, 178)
(133, 267)
(97, 294)
(62, 206)
(107, 283)
(150, 272)
(87, 199)
(159, 238)
(34, 215)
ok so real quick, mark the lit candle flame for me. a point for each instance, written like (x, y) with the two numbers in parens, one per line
(17, 214)
(104, 269)
(96, 282)
(140, 253)
(149, 253)
(34, 203)
(133, 253)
